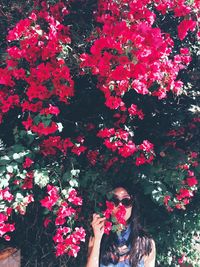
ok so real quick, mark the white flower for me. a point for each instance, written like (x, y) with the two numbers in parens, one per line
(75, 172)
(4, 182)
(65, 193)
(41, 178)
(19, 155)
(23, 174)
(9, 169)
(60, 127)
(19, 197)
(5, 158)
(73, 183)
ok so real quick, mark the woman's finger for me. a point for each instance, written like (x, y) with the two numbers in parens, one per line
(96, 223)
(99, 220)
(96, 218)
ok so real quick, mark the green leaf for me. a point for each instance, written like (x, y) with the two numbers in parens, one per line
(4, 160)
(2, 169)
(149, 189)
(37, 119)
(18, 148)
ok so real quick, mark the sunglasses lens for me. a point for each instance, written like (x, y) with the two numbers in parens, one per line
(116, 201)
(126, 202)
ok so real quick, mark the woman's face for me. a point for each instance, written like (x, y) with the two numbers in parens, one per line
(121, 193)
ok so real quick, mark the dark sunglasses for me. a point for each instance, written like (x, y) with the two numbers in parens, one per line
(126, 202)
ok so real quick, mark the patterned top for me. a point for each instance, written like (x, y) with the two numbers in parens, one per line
(122, 239)
(123, 264)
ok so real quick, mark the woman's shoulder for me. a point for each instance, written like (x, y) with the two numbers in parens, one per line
(146, 238)
(144, 235)
(146, 242)
(149, 259)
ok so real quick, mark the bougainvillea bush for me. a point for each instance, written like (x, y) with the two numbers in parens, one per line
(95, 93)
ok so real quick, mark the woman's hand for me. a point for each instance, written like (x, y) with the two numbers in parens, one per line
(98, 226)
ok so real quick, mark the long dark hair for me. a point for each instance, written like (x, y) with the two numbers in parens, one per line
(139, 241)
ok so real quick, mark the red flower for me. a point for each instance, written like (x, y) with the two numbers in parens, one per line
(60, 221)
(186, 201)
(140, 160)
(28, 162)
(73, 198)
(50, 110)
(36, 91)
(78, 149)
(14, 52)
(140, 87)
(110, 206)
(7, 237)
(120, 214)
(106, 132)
(34, 107)
(194, 155)
(4, 226)
(166, 200)
(191, 181)
(182, 10)
(49, 201)
(127, 150)
(67, 143)
(65, 211)
(182, 259)
(146, 146)
(184, 27)
(107, 227)
(41, 129)
(28, 181)
(28, 123)
(184, 51)
(184, 193)
(6, 195)
(46, 222)
(114, 102)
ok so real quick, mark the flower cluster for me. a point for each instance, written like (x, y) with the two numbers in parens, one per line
(20, 176)
(182, 259)
(35, 73)
(68, 242)
(6, 227)
(35, 78)
(114, 220)
(53, 144)
(129, 53)
(186, 169)
(15, 188)
(62, 206)
(188, 186)
(120, 141)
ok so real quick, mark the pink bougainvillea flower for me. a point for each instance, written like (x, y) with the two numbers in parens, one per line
(184, 27)
(191, 181)
(28, 162)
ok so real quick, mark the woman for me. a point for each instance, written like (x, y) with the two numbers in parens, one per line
(132, 247)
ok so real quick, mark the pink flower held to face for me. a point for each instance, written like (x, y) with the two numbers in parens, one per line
(121, 193)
